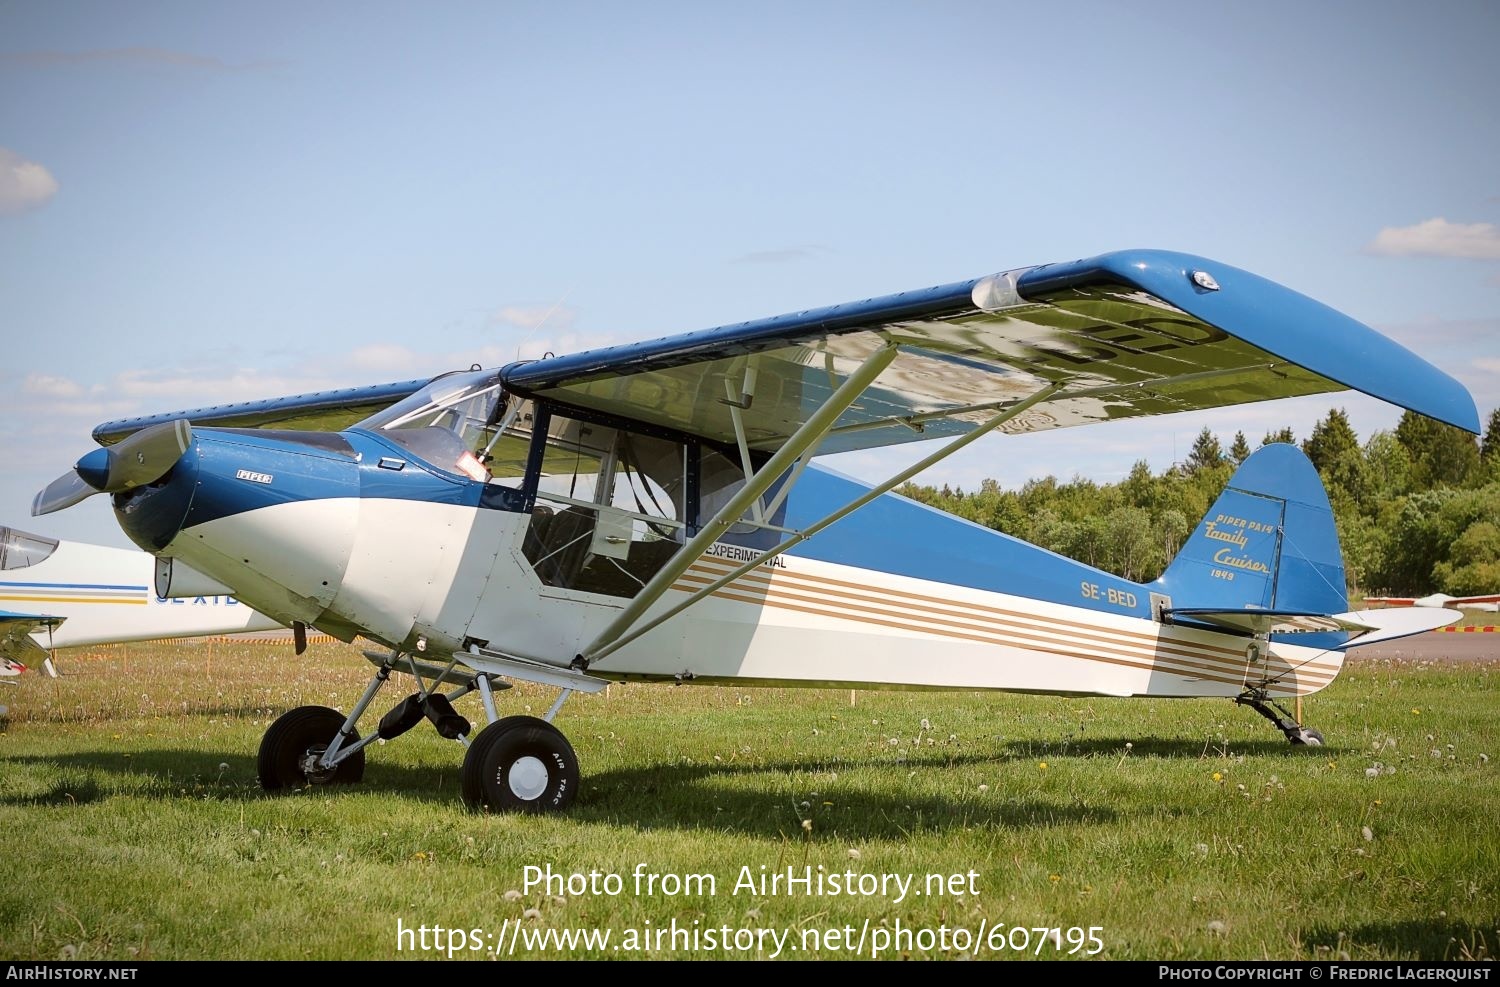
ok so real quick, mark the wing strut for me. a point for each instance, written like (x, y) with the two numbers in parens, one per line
(808, 435)
(603, 646)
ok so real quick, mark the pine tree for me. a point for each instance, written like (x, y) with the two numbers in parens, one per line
(1206, 454)
(1332, 439)
(1489, 447)
(1240, 450)
(1281, 435)
(1441, 455)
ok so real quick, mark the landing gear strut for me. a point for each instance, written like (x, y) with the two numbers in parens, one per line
(515, 764)
(1294, 732)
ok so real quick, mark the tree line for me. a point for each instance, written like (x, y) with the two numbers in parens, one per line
(1417, 508)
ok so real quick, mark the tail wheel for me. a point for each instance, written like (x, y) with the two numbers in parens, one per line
(1308, 736)
(520, 764)
(294, 742)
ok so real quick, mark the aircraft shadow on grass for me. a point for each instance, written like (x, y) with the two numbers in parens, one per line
(694, 796)
(677, 796)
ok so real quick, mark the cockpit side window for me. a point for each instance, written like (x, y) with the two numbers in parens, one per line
(19, 549)
(610, 506)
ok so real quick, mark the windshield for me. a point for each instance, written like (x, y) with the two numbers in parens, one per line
(19, 549)
(455, 414)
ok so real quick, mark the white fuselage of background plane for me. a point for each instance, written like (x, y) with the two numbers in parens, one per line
(106, 595)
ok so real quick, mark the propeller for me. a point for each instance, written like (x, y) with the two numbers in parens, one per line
(138, 459)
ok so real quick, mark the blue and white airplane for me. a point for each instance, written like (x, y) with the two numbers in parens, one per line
(64, 594)
(652, 512)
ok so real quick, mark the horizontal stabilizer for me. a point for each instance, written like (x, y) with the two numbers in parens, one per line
(1256, 621)
(1389, 624)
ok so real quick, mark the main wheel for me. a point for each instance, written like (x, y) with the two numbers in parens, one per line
(520, 764)
(296, 738)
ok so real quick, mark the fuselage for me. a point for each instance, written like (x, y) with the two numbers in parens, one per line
(105, 595)
(357, 534)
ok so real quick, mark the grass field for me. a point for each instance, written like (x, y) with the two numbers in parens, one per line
(1181, 829)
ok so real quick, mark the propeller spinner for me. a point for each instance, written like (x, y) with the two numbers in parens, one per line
(138, 459)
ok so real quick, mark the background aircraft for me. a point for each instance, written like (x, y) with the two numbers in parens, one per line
(61, 594)
(650, 512)
(1489, 603)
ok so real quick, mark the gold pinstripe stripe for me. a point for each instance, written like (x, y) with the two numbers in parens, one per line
(1227, 668)
(1035, 640)
(1224, 659)
(967, 610)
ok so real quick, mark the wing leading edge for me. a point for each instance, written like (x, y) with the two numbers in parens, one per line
(318, 411)
(1122, 335)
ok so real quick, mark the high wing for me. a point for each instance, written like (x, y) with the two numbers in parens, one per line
(319, 411)
(1117, 336)
(16, 642)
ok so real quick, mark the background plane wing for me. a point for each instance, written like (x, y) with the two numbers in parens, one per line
(319, 411)
(1125, 334)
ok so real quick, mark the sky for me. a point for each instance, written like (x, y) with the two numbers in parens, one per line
(205, 202)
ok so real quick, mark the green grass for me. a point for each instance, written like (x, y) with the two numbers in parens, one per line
(1185, 829)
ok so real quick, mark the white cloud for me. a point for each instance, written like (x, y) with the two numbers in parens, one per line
(1439, 238)
(46, 385)
(388, 358)
(174, 389)
(23, 184)
(535, 317)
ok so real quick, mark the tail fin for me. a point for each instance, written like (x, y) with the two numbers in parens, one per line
(1268, 542)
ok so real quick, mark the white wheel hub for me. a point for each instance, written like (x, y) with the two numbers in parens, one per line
(527, 778)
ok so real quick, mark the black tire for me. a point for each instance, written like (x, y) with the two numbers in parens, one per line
(520, 764)
(1309, 738)
(297, 733)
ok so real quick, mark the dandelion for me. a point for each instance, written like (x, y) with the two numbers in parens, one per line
(1218, 776)
(1372, 772)
(223, 765)
(1367, 833)
(532, 913)
(558, 899)
(512, 895)
(807, 825)
(1042, 766)
(925, 724)
(1216, 927)
(983, 789)
(1202, 849)
(1416, 712)
(853, 854)
(1054, 878)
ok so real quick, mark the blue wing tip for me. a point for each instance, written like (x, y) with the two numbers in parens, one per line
(1277, 319)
